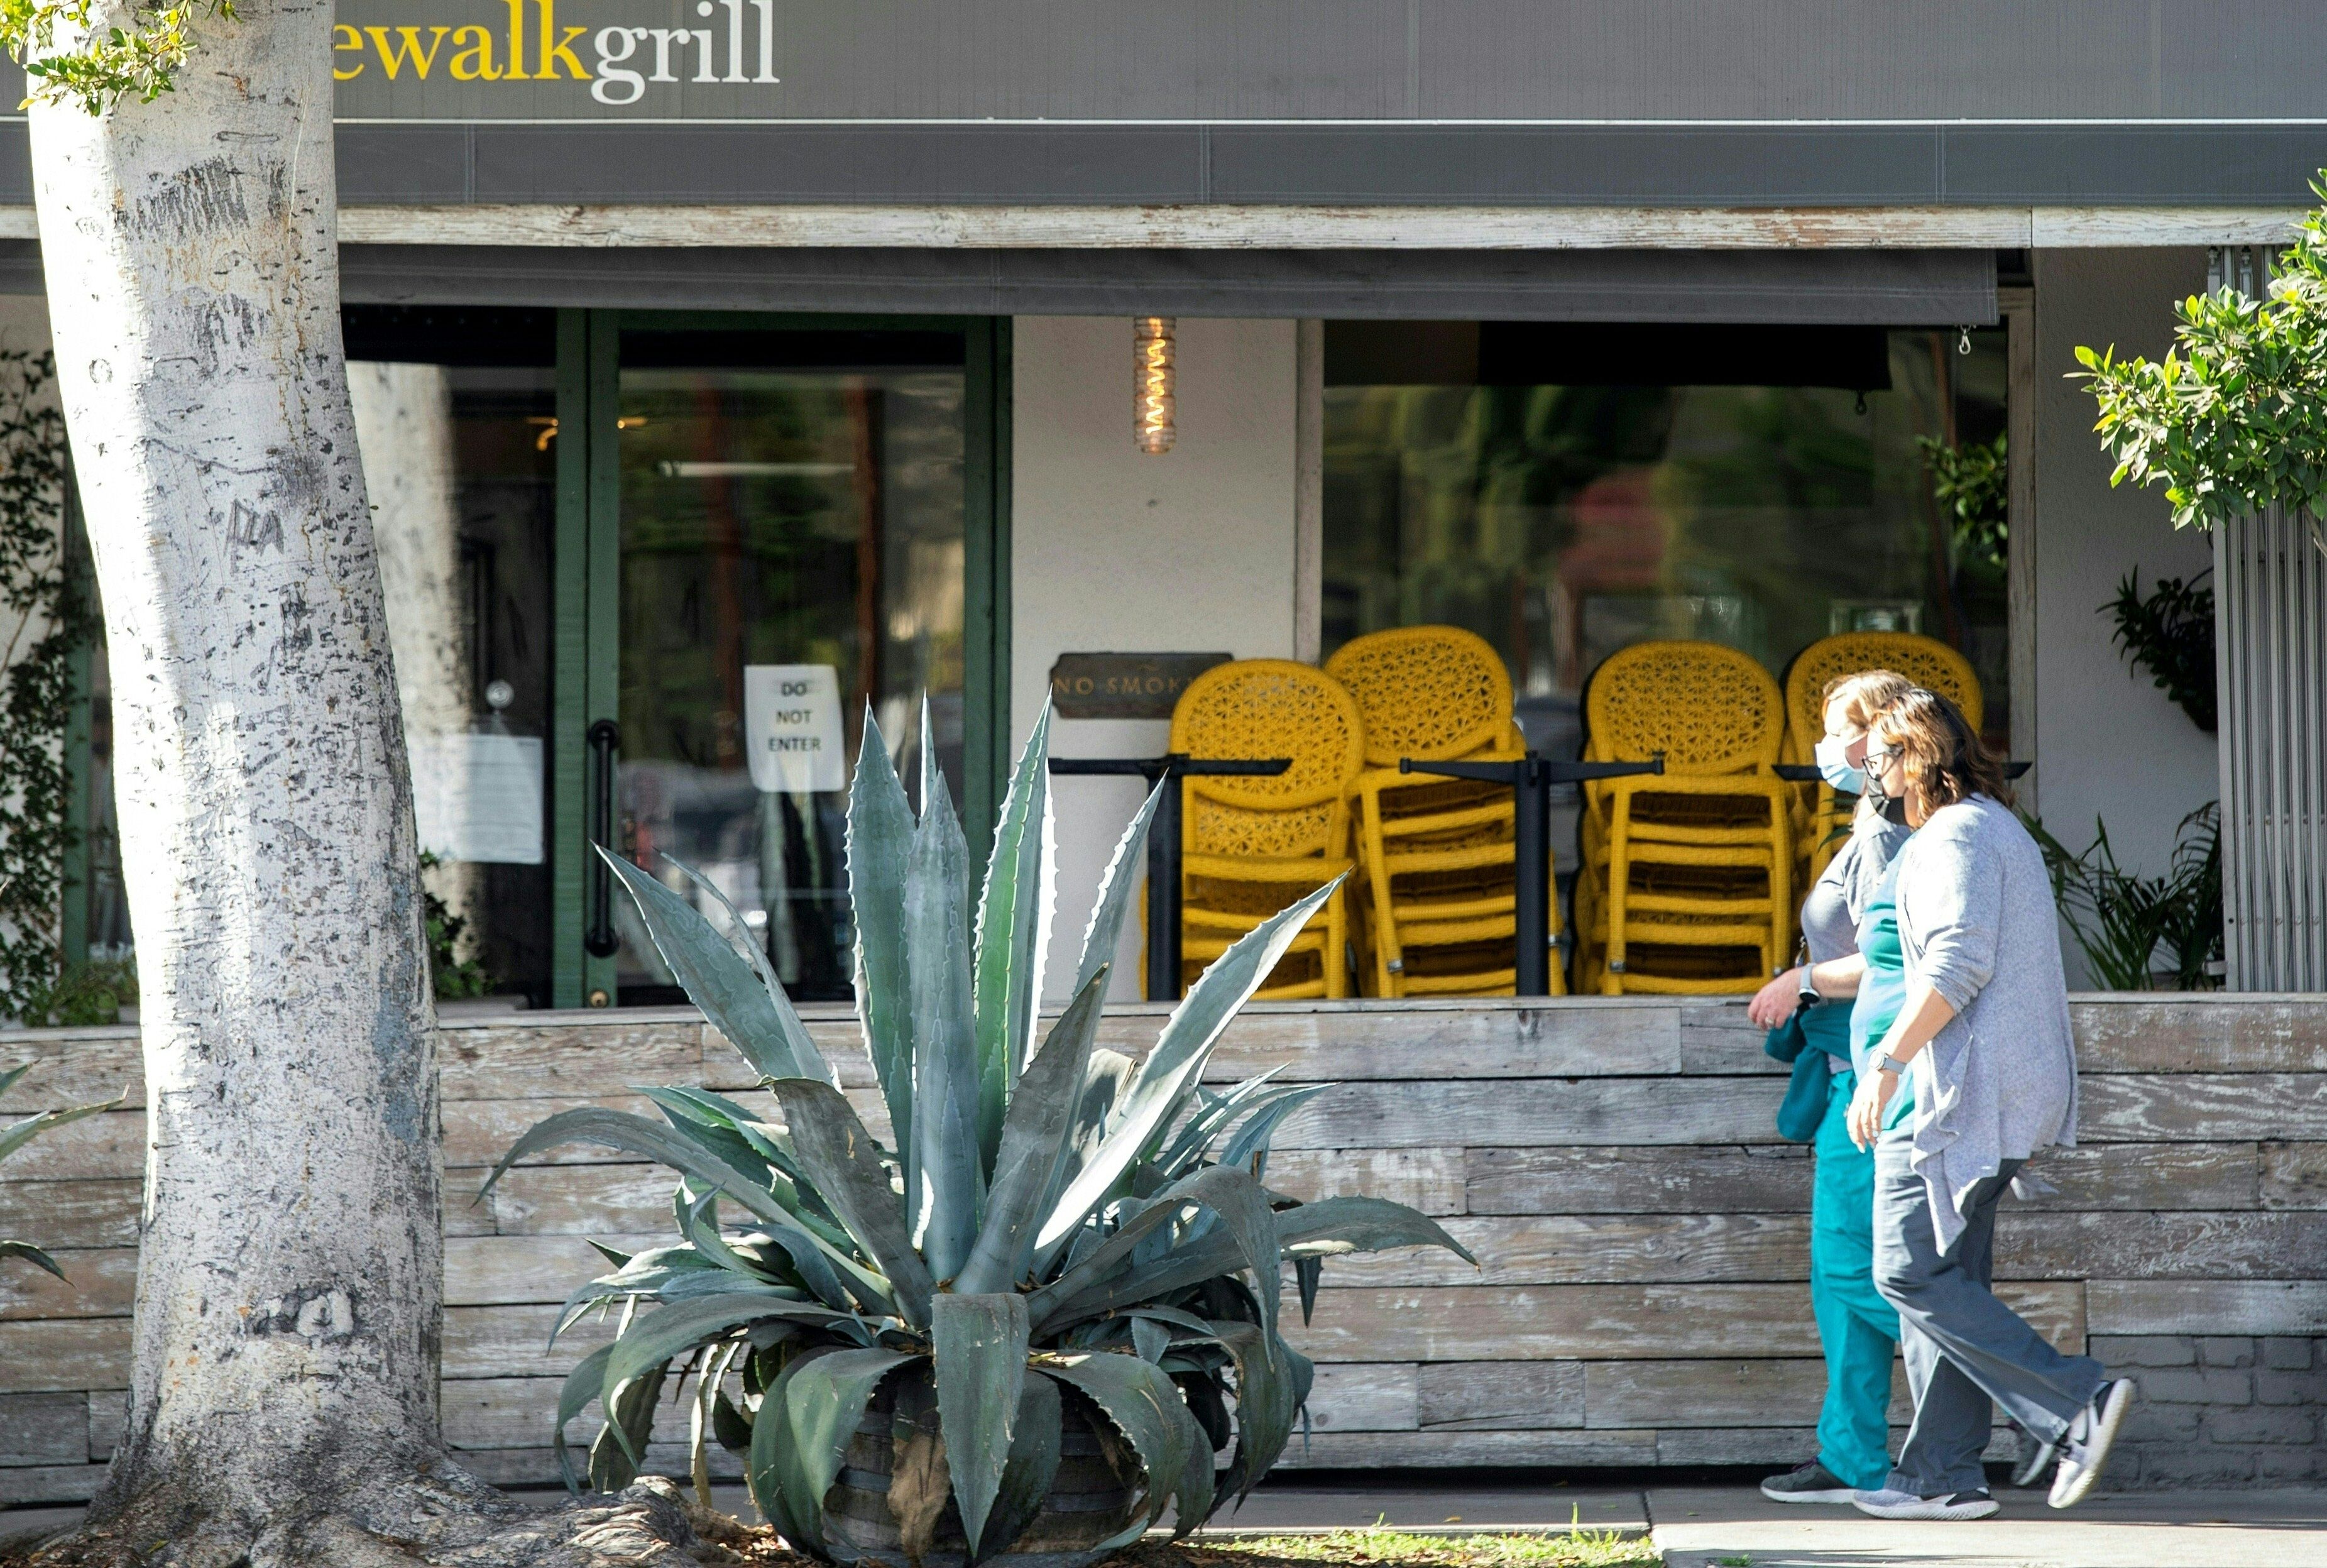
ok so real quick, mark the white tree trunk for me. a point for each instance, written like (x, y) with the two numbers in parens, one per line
(284, 1404)
(289, 1274)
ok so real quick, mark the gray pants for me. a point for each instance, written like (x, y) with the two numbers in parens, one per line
(1962, 1346)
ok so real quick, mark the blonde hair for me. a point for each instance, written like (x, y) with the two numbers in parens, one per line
(1864, 695)
(1945, 758)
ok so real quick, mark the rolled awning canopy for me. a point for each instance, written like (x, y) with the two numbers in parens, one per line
(1837, 288)
(1844, 287)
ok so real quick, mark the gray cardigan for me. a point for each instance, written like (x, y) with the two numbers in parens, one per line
(1978, 926)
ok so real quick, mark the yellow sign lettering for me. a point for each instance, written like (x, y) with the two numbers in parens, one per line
(554, 50)
(474, 58)
(393, 60)
(343, 39)
(517, 71)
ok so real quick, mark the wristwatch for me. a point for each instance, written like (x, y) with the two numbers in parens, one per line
(1807, 992)
(1891, 1064)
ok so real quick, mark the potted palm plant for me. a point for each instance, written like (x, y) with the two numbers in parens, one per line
(1028, 1323)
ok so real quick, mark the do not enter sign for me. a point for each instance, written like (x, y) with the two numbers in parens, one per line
(791, 721)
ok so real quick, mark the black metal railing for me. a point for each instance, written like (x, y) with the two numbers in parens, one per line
(1531, 779)
(1163, 842)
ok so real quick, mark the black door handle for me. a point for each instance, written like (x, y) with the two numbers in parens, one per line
(605, 741)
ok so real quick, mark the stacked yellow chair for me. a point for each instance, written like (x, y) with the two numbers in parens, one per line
(1822, 815)
(1686, 886)
(1253, 845)
(1435, 853)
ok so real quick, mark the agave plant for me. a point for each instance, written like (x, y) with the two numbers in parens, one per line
(15, 1135)
(1059, 1248)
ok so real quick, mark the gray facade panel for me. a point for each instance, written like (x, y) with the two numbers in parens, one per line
(874, 163)
(1353, 166)
(1675, 165)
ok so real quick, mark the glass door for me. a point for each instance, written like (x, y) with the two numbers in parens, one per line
(789, 528)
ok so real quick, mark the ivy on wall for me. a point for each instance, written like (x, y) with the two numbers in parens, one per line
(49, 618)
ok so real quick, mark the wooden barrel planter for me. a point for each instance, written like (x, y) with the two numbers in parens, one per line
(1087, 1502)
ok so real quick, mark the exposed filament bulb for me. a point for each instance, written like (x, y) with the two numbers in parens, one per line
(1154, 409)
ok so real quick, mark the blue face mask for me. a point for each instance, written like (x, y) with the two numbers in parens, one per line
(1836, 769)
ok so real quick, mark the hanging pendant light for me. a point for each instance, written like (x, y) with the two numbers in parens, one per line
(1154, 409)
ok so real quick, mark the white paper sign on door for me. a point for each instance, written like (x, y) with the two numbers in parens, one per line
(791, 725)
(478, 796)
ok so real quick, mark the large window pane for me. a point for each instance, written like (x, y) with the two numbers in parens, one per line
(799, 527)
(1565, 492)
(456, 419)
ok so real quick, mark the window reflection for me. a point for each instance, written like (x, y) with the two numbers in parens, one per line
(782, 529)
(1566, 491)
(460, 463)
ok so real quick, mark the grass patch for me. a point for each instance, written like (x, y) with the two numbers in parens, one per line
(1383, 1547)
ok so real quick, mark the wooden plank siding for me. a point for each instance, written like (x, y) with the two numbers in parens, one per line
(1642, 1231)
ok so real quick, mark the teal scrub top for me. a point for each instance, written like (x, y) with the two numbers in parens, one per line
(1882, 991)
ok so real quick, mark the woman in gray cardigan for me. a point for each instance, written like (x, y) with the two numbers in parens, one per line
(1979, 1073)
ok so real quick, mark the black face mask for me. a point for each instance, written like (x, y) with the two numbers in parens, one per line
(1894, 810)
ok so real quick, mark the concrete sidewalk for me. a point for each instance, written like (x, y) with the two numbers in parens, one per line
(1733, 1526)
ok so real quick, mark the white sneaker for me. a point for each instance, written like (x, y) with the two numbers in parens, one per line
(1892, 1504)
(2090, 1436)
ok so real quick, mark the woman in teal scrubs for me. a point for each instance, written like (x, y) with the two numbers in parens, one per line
(1848, 994)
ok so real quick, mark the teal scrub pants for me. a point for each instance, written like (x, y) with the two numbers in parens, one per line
(1858, 1328)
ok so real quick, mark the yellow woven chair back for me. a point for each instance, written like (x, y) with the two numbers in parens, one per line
(1270, 707)
(1709, 709)
(1927, 661)
(1426, 692)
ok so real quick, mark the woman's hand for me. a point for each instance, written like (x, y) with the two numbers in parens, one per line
(1866, 1106)
(1775, 1003)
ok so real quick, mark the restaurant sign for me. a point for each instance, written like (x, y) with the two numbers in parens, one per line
(523, 58)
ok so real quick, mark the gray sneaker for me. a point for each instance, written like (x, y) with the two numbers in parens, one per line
(1891, 1503)
(2036, 1457)
(1812, 1483)
(2090, 1437)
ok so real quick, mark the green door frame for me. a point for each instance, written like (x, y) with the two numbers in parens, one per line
(585, 679)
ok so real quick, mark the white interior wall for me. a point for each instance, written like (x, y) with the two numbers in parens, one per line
(1113, 551)
(2108, 744)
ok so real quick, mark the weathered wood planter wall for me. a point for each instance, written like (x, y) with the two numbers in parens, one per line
(1643, 1231)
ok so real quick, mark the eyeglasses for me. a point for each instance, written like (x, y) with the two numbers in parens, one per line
(1881, 757)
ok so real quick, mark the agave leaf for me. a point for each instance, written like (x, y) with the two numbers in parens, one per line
(615, 1454)
(1232, 1194)
(758, 1023)
(1033, 1137)
(1033, 1466)
(880, 837)
(700, 1225)
(663, 1333)
(1330, 1225)
(1104, 1081)
(804, 1427)
(1308, 1273)
(1270, 1395)
(730, 1427)
(1162, 1082)
(738, 933)
(979, 1346)
(1150, 1339)
(1014, 933)
(771, 1468)
(19, 1133)
(8, 1079)
(1247, 1147)
(1146, 1407)
(845, 1163)
(1217, 1111)
(944, 1046)
(32, 1255)
(581, 1385)
(1104, 931)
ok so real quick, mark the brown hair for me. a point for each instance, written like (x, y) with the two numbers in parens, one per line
(1864, 695)
(1945, 757)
